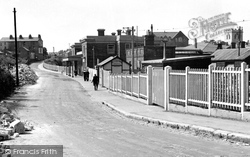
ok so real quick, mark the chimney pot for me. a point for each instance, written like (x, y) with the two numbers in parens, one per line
(128, 32)
(101, 32)
(119, 32)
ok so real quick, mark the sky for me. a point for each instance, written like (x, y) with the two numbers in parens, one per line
(62, 23)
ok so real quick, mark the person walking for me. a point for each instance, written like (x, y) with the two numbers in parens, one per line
(95, 81)
(84, 75)
(87, 75)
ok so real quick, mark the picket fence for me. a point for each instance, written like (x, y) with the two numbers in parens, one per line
(215, 87)
(212, 88)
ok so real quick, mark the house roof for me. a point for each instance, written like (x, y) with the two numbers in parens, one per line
(106, 38)
(7, 39)
(162, 34)
(168, 60)
(110, 59)
(231, 54)
(106, 61)
(204, 47)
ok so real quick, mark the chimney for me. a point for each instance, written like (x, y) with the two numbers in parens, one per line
(20, 37)
(113, 33)
(11, 37)
(233, 45)
(100, 32)
(128, 32)
(149, 40)
(39, 36)
(119, 32)
(243, 44)
(30, 37)
(152, 29)
(195, 42)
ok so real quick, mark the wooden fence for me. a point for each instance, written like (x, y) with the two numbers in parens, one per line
(212, 88)
(221, 88)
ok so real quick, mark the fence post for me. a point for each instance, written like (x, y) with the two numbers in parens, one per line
(126, 83)
(186, 90)
(247, 84)
(138, 84)
(149, 85)
(101, 74)
(113, 82)
(243, 86)
(109, 82)
(210, 88)
(132, 83)
(166, 87)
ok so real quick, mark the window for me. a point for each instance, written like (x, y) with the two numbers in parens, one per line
(111, 49)
(127, 46)
(235, 36)
(180, 39)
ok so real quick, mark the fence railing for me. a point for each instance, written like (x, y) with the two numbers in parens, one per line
(134, 84)
(220, 88)
(212, 88)
(54, 67)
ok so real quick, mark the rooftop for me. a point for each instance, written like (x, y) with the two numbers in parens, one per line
(231, 54)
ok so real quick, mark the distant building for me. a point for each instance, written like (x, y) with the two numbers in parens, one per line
(178, 39)
(200, 48)
(28, 47)
(231, 57)
(115, 65)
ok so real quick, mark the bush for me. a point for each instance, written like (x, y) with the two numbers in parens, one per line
(54, 60)
(7, 83)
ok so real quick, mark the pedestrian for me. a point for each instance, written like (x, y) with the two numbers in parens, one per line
(84, 75)
(87, 75)
(95, 81)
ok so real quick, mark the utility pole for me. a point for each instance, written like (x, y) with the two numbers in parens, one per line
(133, 64)
(93, 56)
(17, 78)
(239, 41)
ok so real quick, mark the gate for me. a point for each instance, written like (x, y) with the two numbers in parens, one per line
(158, 86)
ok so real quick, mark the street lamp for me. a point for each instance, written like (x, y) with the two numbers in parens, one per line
(165, 39)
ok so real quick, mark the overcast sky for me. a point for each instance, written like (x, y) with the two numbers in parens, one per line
(64, 22)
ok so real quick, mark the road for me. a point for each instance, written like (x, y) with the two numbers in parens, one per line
(63, 113)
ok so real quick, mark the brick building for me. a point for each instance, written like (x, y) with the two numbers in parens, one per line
(95, 49)
(28, 47)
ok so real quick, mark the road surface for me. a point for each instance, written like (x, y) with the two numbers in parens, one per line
(63, 113)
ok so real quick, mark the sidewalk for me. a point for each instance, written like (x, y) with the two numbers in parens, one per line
(229, 129)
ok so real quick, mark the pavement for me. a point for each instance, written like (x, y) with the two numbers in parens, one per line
(138, 109)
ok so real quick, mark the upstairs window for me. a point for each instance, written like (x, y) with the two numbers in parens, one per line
(127, 46)
(111, 49)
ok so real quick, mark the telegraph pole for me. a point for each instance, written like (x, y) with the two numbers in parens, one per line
(17, 78)
(93, 56)
(133, 49)
(239, 41)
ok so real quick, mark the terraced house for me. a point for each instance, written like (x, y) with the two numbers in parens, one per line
(28, 47)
